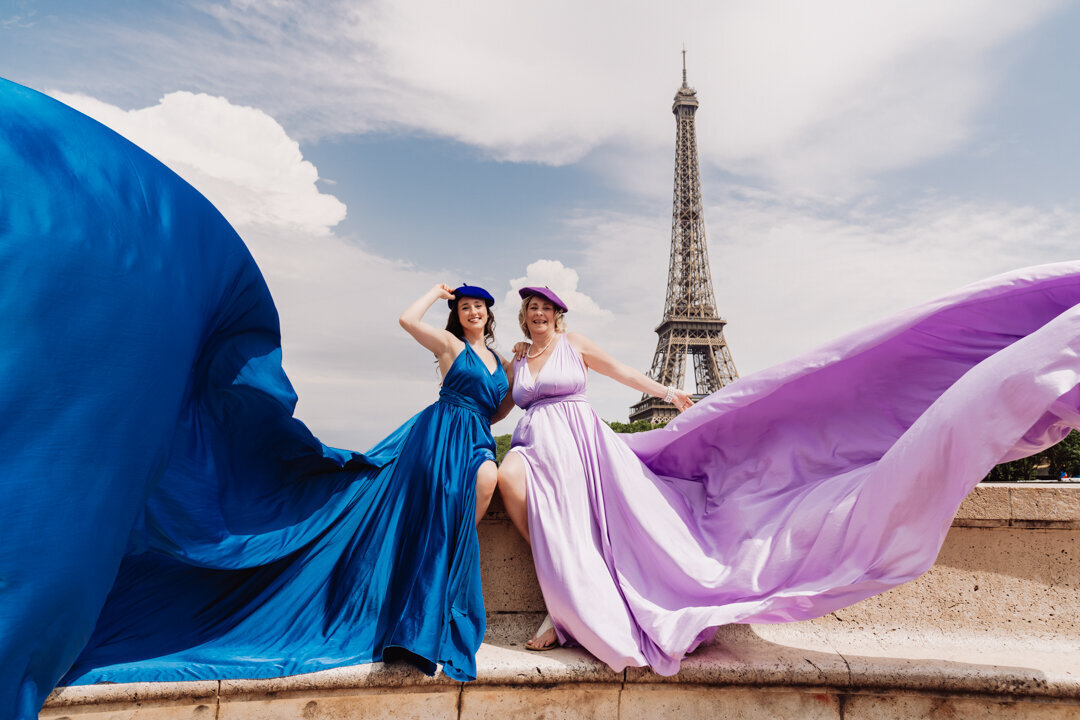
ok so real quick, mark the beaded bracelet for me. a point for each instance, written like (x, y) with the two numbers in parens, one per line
(670, 395)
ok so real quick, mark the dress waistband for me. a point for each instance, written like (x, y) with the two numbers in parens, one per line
(575, 397)
(450, 396)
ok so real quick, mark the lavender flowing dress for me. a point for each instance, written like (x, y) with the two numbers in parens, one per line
(797, 490)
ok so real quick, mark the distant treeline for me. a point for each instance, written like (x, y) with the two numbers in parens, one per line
(1050, 464)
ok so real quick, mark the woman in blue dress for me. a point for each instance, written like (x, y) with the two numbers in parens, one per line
(164, 516)
(394, 575)
(466, 341)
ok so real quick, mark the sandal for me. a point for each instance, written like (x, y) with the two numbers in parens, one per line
(544, 627)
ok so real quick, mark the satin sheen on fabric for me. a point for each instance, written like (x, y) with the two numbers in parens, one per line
(797, 490)
(163, 514)
(155, 485)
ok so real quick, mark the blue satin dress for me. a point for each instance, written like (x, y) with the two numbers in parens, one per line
(163, 516)
(394, 573)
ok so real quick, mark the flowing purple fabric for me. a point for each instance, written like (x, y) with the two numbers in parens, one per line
(797, 490)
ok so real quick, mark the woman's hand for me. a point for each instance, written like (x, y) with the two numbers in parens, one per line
(521, 349)
(443, 291)
(681, 400)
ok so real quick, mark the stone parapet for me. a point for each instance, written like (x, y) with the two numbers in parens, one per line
(989, 632)
(1021, 505)
(740, 675)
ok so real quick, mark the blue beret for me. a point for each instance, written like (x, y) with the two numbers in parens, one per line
(470, 291)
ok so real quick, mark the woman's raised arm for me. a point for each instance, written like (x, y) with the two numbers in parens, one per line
(437, 340)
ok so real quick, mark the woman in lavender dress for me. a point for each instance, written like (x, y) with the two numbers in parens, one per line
(793, 492)
(565, 498)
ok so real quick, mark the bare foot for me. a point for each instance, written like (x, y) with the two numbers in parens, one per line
(545, 638)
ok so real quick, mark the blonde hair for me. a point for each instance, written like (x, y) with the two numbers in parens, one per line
(560, 316)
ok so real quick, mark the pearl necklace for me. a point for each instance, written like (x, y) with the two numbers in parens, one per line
(542, 350)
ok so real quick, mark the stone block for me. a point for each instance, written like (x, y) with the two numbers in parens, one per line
(556, 702)
(704, 702)
(1046, 506)
(134, 711)
(923, 707)
(1004, 583)
(506, 567)
(419, 703)
(988, 505)
(134, 701)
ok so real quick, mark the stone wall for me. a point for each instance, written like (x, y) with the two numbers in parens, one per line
(989, 632)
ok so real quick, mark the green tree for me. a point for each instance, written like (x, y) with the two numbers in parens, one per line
(502, 444)
(1061, 458)
(636, 426)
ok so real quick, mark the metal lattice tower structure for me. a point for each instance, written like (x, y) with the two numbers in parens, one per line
(690, 325)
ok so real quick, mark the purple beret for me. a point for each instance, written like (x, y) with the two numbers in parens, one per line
(544, 292)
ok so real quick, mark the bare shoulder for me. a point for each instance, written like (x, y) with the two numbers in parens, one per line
(579, 342)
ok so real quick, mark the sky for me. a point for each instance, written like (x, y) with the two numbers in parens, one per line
(856, 158)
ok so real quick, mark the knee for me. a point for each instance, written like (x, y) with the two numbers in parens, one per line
(509, 471)
(486, 479)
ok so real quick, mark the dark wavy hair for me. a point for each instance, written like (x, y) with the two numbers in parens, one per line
(453, 324)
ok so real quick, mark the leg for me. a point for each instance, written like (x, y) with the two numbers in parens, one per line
(486, 479)
(512, 487)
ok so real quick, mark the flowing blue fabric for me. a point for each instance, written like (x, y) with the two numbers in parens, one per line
(163, 515)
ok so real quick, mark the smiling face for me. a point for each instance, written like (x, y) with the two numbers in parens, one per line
(472, 313)
(539, 316)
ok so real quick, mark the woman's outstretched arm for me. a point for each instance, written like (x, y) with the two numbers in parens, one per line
(603, 363)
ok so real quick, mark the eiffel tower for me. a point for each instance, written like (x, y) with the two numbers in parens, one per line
(690, 325)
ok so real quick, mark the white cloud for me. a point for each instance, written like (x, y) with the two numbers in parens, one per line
(816, 97)
(789, 276)
(562, 280)
(801, 99)
(790, 279)
(240, 158)
(356, 373)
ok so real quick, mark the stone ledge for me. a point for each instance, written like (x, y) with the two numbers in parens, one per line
(386, 676)
(740, 656)
(808, 656)
(195, 691)
(1024, 505)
